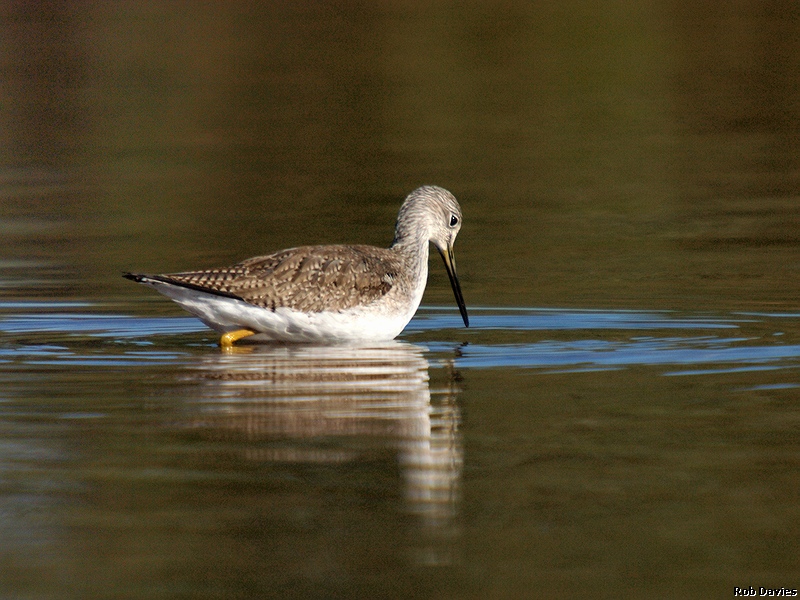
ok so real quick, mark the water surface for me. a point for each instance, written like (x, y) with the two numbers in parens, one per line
(620, 420)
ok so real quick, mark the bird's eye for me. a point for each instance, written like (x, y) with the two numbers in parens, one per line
(453, 220)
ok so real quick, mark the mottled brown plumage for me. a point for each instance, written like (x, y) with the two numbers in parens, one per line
(308, 279)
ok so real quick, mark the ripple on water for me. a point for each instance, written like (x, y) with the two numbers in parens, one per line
(683, 344)
(613, 340)
(599, 354)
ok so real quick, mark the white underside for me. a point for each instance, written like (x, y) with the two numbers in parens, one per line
(380, 321)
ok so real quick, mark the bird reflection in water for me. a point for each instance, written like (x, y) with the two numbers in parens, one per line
(381, 393)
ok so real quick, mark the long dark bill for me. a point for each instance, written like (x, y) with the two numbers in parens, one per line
(450, 264)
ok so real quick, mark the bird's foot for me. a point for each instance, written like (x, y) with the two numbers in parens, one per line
(228, 339)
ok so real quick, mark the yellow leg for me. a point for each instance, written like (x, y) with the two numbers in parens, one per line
(227, 340)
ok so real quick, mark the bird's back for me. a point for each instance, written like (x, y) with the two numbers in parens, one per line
(308, 278)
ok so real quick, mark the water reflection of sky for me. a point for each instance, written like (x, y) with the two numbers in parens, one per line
(598, 339)
(614, 355)
(563, 319)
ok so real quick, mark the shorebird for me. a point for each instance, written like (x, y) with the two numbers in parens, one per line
(326, 294)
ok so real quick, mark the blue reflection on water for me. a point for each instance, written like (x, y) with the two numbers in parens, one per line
(536, 319)
(610, 355)
(603, 339)
(99, 325)
(728, 354)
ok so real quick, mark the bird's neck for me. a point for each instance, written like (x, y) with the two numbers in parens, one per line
(414, 252)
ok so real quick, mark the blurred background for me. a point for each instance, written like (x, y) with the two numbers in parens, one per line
(620, 154)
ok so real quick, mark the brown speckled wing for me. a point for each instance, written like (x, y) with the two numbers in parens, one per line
(309, 278)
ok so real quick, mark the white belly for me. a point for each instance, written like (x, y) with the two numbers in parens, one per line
(380, 321)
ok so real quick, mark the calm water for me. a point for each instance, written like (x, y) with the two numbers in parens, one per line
(621, 418)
